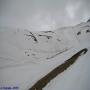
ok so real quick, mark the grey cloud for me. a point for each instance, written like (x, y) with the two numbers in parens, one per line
(40, 14)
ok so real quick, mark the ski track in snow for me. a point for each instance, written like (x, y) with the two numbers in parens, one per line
(40, 84)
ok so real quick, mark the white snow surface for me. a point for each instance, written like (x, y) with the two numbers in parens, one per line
(27, 56)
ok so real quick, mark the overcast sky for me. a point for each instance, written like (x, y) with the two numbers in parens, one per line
(43, 14)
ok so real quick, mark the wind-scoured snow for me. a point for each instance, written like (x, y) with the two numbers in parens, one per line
(27, 56)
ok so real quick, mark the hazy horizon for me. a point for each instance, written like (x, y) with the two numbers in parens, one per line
(43, 14)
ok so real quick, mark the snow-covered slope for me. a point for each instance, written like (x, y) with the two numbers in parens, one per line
(76, 77)
(26, 56)
(21, 46)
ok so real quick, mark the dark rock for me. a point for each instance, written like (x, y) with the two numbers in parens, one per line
(88, 31)
(88, 20)
(78, 33)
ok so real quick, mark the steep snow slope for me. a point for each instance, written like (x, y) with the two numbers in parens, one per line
(76, 77)
(26, 56)
(21, 46)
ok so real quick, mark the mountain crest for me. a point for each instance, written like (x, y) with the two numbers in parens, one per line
(88, 20)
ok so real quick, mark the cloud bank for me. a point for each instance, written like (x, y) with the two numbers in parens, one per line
(43, 14)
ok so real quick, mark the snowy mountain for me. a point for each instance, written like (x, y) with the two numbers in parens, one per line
(26, 56)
